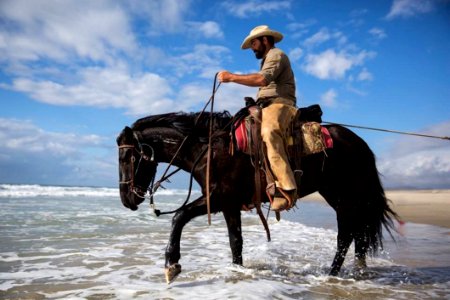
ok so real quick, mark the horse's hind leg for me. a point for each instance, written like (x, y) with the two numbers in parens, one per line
(344, 239)
(361, 248)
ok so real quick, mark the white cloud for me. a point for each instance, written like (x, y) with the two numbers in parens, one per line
(254, 8)
(33, 155)
(340, 38)
(24, 136)
(231, 96)
(169, 16)
(72, 53)
(207, 29)
(103, 87)
(356, 91)
(139, 94)
(334, 65)
(365, 75)
(193, 96)
(427, 169)
(297, 30)
(204, 59)
(296, 26)
(94, 30)
(117, 86)
(164, 16)
(328, 99)
(295, 54)
(378, 33)
(325, 35)
(417, 162)
(410, 8)
(321, 36)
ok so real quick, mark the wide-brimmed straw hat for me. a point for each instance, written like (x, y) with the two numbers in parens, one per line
(258, 31)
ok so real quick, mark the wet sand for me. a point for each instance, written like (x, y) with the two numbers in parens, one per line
(417, 206)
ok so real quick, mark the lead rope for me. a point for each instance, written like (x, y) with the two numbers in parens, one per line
(208, 158)
(391, 131)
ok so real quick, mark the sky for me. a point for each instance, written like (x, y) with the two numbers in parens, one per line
(73, 73)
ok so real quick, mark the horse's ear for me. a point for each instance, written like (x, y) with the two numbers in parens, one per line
(127, 131)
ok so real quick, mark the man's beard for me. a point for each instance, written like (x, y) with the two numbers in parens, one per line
(259, 53)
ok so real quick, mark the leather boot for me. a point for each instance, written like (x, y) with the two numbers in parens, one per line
(284, 200)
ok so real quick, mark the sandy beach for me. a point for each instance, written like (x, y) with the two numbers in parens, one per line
(417, 206)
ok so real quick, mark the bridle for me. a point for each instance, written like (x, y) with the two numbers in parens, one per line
(142, 157)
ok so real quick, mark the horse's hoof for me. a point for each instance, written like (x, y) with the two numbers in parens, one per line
(172, 272)
(360, 263)
(359, 270)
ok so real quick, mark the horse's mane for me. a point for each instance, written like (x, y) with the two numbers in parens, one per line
(185, 123)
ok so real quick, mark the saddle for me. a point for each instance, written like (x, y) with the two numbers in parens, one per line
(306, 137)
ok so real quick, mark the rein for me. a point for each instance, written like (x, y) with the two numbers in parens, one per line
(155, 186)
(158, 183)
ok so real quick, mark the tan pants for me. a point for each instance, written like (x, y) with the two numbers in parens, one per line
(276, 119)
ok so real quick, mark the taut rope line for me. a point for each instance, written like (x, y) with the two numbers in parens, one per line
(391, 131)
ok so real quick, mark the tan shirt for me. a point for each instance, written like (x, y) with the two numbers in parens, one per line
(276, 69)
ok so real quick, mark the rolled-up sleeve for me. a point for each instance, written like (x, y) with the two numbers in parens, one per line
(272, 66)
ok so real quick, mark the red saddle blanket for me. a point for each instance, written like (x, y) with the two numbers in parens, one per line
(242, 135)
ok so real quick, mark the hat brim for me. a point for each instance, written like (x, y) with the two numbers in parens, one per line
(248, 40)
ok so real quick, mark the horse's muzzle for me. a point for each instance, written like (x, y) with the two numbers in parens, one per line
(132, 198)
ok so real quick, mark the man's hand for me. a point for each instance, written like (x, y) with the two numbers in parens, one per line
(224, 76)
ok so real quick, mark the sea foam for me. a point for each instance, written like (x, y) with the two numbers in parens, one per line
(34, 190)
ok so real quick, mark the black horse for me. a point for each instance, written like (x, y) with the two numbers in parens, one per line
(346, 176)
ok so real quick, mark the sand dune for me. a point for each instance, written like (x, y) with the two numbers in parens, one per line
(417, 206)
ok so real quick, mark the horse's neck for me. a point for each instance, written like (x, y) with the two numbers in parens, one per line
(167, 141)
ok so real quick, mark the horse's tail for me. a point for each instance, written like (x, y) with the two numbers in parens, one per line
(379, 212)
(376, 212)
(364, 208)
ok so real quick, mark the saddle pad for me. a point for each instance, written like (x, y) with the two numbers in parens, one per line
(327, 138)
(242, 135)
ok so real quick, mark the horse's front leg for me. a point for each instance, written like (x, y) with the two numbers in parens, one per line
(233, 219)
(181, 218)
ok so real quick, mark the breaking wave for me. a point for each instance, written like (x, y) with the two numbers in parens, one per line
(35, 190)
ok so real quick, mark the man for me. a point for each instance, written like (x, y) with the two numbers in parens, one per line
(277, 97)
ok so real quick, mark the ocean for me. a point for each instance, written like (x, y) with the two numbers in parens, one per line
(81, 243)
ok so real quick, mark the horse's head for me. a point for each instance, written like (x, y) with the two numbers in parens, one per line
(137, 167)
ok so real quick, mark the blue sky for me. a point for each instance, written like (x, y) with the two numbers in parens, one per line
(74, 73)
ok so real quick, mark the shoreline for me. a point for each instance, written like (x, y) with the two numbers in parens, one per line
(430, 207)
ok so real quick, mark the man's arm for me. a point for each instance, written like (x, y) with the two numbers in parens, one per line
(255, 79)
